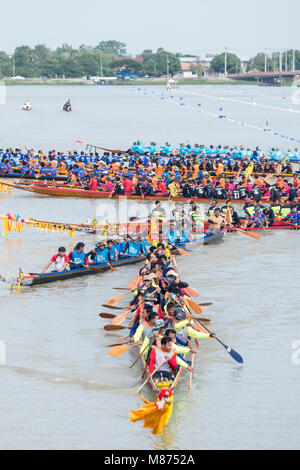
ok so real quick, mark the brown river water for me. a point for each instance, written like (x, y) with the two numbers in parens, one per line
(59, 387)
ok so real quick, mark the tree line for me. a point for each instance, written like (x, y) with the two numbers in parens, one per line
(109, 57)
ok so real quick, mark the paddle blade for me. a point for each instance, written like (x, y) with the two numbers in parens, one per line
(106, 315)
(112, 307)
(192, 305)
(182, 251)
(205, 304)
(134, 283)
(118, 350)
(114, 327)
(192, 292)
(115, 300)
(118, 320)
(254, 235)
(236, 356)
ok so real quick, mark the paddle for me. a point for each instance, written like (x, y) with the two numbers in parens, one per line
(134, 283)
(192, 292)
(117, 299)
(107, 315)
(206, 304)
(115, 327)
(191, 373)
(116, 344)
(243, 232)
(180, 250)
(112, 307)
(120, 349)
(120, 318)
(107, 264)
(192, 305)
(235, 355)
(151, 375)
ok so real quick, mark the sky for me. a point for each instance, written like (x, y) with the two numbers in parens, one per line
(188, 26)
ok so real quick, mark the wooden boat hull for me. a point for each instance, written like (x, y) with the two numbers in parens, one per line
(81, 193)
(38, 279)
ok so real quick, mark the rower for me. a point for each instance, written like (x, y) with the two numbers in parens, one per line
(133, 247)
(145, 328)
(60, 261)
(77, 257)
(216, 222)
(258, 219)
(184, 331)
(173, 234)
(294, 216)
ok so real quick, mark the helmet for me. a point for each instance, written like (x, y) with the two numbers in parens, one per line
(179, 314)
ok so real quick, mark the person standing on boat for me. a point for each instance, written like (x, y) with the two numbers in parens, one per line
(158, 213)
(77, 257)
(60, 261)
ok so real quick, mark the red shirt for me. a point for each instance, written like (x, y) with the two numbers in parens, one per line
(93, 184)
(127, 185)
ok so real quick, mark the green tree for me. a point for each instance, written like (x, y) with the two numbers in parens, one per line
(113, 47)
(218, 64)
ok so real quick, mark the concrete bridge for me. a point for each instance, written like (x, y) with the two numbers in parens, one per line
(272, 78)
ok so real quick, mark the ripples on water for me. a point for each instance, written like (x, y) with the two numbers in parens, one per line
(60, 389)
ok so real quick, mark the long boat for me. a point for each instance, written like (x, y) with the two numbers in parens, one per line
(82, 193)
(34, 279)
(41, 179)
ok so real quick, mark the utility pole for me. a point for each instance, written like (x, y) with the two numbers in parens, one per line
(286, 61)
(293, 65)
(13, 65)
(280, 61)
(225, 61)
(101, 64)
(265, 60)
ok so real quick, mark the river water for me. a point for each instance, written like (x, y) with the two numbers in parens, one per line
(59, 387)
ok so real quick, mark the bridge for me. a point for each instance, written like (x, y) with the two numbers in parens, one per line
(271, 78)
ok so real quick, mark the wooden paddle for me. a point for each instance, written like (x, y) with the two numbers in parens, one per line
(118, 320)
(206, 304)
(243, 232)
(115, 327)
(117, 299)
(117, 344)
(134, 283)
(180, 250)
(192, 305)
(118, 350)
(107, 315)
(107, 264)
(112, 307)
(192, 292)
(151, 375)
(191, 373)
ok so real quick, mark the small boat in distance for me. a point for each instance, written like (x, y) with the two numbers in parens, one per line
(27, 106)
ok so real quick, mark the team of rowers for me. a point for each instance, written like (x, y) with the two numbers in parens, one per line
(159, 323)
(180, 178)
(182, 229)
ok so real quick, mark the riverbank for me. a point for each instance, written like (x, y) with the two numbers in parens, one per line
(10, 82)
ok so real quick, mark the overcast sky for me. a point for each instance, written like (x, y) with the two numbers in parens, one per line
(187, 26)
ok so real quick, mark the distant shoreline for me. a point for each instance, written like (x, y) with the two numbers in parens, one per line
(125, 83)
